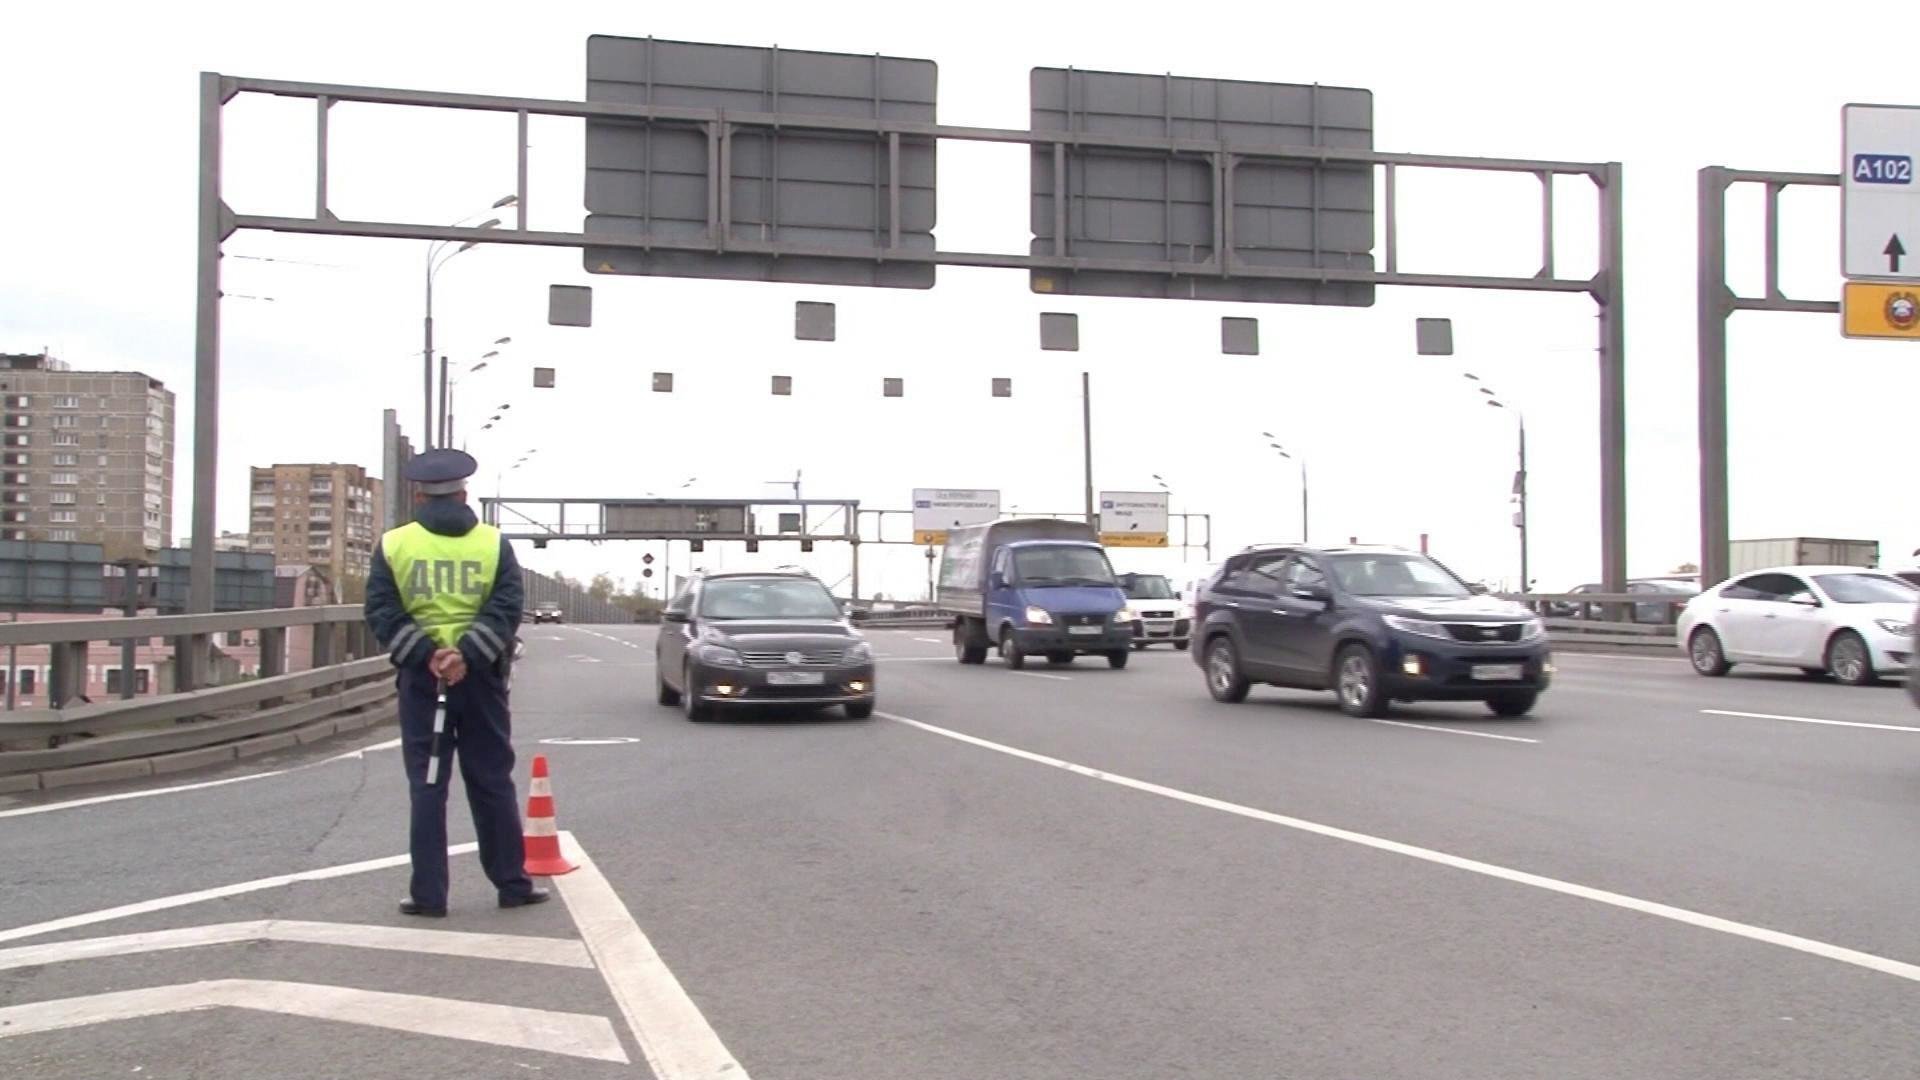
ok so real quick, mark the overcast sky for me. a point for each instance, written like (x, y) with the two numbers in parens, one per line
(97, 197)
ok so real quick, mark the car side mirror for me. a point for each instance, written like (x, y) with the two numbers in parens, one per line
(996, 580)
(1477, 589)
(675, 616)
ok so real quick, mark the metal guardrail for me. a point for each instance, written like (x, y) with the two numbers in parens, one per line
(194, 725)
(1593, 619)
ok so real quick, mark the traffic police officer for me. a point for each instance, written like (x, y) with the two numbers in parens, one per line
(444, 598)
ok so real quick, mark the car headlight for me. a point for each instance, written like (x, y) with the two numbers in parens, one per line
(1533, 630)
(719, 655)
(860, 651)
(1896, 627)
(1423, 627)
(1039, 616)
(1126, 615)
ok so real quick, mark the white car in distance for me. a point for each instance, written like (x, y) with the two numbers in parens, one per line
(1852, 623)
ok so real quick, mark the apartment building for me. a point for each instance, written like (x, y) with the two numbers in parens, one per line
(85, 456)
(327, 516)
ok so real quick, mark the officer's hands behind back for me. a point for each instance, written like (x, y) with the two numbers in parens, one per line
(448, 664)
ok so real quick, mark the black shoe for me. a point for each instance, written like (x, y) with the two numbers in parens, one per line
(536, 895)
(415, 907)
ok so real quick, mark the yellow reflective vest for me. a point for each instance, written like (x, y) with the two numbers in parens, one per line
(444, 581)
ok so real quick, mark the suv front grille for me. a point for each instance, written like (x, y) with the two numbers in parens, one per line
(815, 658)
(1485, 633)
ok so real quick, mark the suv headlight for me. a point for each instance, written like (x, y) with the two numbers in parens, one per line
(1533, 630)
(860, 652)
(1126, 615)
(1896, 627)
(1039, 616)
(1407, 624)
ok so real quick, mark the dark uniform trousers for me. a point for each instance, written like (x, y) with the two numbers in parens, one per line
(478, 734)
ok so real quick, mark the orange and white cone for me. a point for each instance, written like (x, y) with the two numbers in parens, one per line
(542, 833)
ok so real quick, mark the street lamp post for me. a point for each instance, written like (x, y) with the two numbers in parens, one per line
(448, 384)
(1519, 476)
(1301, 461)
(432, 268)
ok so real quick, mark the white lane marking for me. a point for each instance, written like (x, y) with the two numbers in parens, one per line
(897, 659)
(356, 755)
(930, 640)
(579, 659)
(557, 952)
(677, 1040)
(1450, 731)
(1813, 720)
(217, 893)
(1897, 968)
(145, 793)
(1042, 675)
(589, 740)
(96, 800)
(568, 1034)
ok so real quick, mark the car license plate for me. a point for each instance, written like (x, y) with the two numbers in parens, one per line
(1499, 672)
(795, 678)
(1083, 630)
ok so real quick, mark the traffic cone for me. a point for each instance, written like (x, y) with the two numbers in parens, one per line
(542, 835)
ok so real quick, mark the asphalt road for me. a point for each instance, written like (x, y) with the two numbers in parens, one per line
(1063, 873)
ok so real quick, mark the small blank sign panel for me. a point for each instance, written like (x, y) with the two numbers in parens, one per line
(569, 305)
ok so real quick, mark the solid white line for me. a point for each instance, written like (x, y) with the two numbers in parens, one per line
(1450, 731)
(1896, 968)
(930, 640)
(96, 800)
(896, 659)
(217, 893)
(1814, 720)
(356, 755)
(514, 948)
(569, 1034)
(676, 1039)
(1042, 675)
(1562, 657)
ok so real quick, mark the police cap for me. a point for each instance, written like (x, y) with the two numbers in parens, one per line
(441, 472)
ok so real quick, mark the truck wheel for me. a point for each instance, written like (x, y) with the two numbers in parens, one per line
(1117, 659)
(1356, 679)
(1010, 653)
(965, 646)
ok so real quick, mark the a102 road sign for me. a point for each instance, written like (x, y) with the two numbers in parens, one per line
(1879, 192)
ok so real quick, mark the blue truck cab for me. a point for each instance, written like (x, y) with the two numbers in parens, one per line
(1033, 587)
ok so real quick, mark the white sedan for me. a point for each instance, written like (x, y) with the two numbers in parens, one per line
(1854, 624)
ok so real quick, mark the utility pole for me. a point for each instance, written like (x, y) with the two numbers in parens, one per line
(1086, 435)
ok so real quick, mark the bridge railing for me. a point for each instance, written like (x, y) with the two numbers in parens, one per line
(347, 685)
(1636, 621)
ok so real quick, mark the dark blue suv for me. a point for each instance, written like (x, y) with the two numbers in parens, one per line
(1374, 625)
